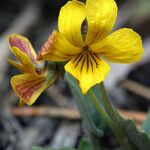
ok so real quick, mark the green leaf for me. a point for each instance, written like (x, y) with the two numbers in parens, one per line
(118, 148)
(146, 124)
(84, 145)
(40, 148)
(137, 137)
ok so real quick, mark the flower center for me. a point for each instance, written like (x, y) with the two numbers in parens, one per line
(86, 60)
(86, 49)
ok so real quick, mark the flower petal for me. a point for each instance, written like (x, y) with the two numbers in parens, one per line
(122, 46)
(29, 87)
(70, 21)
(89, 69)
(23, 45)
(21, 103)
(101, 16)
(16, 65)
(25, 60)
(57, 48)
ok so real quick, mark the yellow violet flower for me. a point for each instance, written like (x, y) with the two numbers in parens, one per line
(29, 85)
(86, 54)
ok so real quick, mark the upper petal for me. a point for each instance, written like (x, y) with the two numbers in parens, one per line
(101, 16)
(27, 64)
(29, 87)
(122, 46)
(23, 45)
(89, 69)
(57, 48)
(70, 21)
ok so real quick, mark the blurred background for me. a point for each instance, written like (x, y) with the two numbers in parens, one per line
(54, 120)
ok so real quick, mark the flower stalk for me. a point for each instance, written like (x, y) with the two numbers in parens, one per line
(114, 125)
(98, 107)
(93, 106)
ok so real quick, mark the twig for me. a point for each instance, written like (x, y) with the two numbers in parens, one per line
(69, 113)
(136, 88)
(47, 111)
(139, 117)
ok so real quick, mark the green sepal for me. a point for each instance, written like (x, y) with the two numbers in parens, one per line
(51, 71)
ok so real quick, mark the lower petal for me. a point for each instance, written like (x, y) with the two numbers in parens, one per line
(89, 69)
(28, 87)
(24, 59)
(122, 46)
(16, 65)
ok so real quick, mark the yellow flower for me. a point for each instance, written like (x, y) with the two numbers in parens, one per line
(86, 52)
(29, 85)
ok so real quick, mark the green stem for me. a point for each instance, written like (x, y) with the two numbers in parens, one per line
(106, 101)
(91, 106)
(85, 111)
(120, 135)
(92, 136)
(100, 109)
(95, 141)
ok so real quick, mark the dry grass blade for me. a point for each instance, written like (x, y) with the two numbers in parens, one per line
(139, 117)
(136, 88)
(56, 112)
(70, 113)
